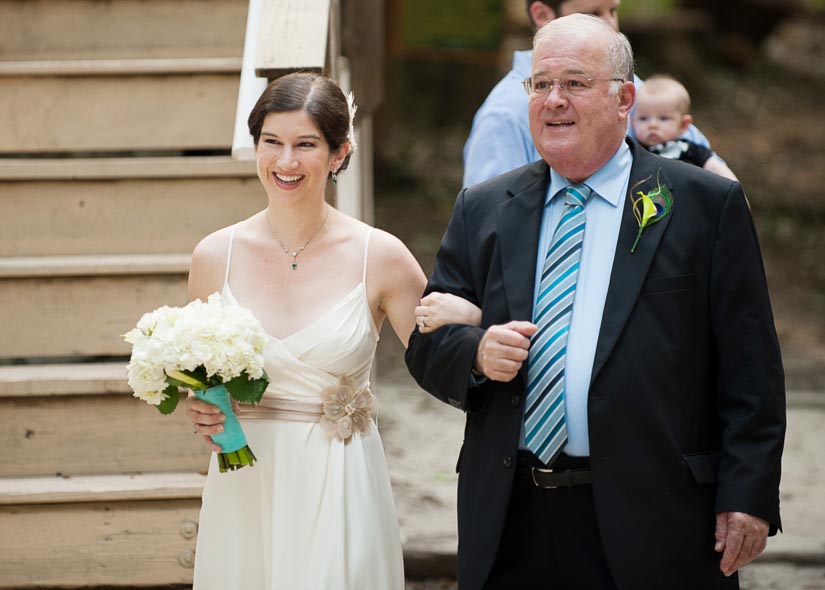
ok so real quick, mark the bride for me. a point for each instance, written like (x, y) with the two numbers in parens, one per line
(316, 510)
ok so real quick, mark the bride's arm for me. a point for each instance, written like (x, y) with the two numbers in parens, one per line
(395, 281)
(400, 282)
(205, 277)
(208, 265)
(439, 309)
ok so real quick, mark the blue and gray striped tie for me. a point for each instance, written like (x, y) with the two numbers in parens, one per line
(545, 426)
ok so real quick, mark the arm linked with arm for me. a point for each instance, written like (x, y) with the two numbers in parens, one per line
(440, 309)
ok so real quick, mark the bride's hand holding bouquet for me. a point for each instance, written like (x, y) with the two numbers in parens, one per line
(215, 351)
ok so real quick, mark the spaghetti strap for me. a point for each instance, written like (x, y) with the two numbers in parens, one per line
(229, 252)
(366, 251)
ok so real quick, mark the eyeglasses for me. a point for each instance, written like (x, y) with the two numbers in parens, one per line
(569, 86)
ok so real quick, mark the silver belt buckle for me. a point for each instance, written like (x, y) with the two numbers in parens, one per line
(533, 475)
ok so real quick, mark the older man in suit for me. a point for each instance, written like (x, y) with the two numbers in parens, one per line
(624, 393)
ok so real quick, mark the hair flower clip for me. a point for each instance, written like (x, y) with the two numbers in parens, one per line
(351, 107)
(347, 409)
(651, 207)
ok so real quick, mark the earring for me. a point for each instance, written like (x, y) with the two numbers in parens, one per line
(334, 174)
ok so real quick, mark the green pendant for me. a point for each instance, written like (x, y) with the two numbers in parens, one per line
(294, 265)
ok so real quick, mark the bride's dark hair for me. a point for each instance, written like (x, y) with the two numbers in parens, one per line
(317, 95)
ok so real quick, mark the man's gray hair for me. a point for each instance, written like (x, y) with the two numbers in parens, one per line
(619, 52)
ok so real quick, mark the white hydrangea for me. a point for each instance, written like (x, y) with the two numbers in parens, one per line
(226, 340)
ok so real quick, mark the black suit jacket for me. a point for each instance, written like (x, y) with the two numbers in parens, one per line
(686, 406)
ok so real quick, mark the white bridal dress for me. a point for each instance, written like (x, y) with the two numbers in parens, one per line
(314, 512)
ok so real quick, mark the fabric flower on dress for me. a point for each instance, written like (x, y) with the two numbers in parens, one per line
(347, 409)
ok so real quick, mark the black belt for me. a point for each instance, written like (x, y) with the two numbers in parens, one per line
(552, 478)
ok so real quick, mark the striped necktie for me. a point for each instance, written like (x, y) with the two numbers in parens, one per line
(545, 425)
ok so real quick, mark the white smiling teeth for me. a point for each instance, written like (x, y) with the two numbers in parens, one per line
(288, 178)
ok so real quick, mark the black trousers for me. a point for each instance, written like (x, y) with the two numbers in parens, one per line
(550, 539)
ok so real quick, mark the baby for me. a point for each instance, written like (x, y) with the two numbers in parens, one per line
(661, 115)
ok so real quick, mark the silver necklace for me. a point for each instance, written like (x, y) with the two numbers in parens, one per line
(295, 253)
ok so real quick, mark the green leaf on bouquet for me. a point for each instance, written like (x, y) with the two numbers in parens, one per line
(168, 405)
(192, 379)
(246, 390)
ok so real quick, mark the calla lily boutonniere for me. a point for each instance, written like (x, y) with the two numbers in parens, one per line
(650, 207)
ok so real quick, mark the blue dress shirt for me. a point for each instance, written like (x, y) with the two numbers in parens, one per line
(603, 215)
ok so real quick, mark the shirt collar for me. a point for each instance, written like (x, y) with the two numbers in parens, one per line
(608, 181)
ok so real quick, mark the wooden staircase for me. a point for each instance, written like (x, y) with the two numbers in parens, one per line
(116, 122)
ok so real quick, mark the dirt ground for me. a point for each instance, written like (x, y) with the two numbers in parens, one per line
(756, 577)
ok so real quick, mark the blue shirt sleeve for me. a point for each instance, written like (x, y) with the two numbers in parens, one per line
(496, 145)
(500, 138)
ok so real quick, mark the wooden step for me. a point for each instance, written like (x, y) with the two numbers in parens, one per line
(79, 306)
(130, 531)
(88, 29)
(62, 489)
(92, 266)
(91, 407)
(28, 169)
(67, 68)
(90, 109)
(65, 379)
(121, 205)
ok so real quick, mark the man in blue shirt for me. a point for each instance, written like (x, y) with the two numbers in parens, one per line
(500, 139)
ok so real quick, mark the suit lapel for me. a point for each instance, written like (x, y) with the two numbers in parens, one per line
(630, 270)
(519, 221)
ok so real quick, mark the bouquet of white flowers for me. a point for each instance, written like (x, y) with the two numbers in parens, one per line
(214, 350)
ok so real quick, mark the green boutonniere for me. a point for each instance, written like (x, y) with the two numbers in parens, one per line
(650, 207)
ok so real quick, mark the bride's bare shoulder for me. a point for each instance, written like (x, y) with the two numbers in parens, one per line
(214, 246)
(390, 260)
(208, 266)
(386, 247)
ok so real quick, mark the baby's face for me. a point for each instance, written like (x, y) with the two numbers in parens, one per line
(658, 120)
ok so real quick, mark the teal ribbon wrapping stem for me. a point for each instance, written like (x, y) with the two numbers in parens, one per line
(232, 438)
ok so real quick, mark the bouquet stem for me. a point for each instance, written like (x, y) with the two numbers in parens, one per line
(235, 452)
(236, 459)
